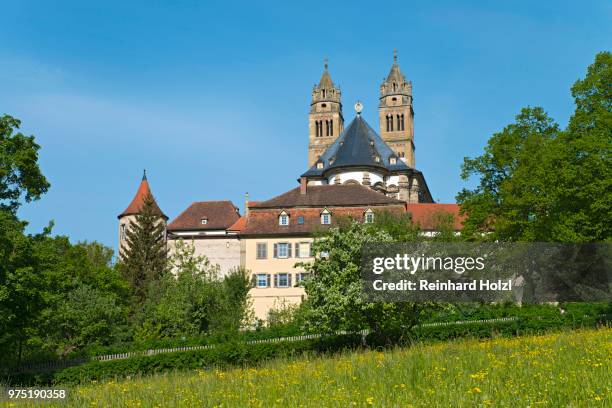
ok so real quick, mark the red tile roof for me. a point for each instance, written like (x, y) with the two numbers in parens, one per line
(138, 202)
(427, 215)
(328, 195)
(264, 221)
(220, 215)
(239, 225)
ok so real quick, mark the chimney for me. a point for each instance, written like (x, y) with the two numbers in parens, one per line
(246, 204)
(303, 185)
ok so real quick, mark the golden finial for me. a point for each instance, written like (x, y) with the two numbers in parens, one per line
(325, 63)
(395, 55)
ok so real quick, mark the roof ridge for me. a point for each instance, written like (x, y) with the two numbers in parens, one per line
(213, 201)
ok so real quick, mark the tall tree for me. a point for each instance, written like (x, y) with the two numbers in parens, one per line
(20, 175)
(538, 183)
(511, 201)
(21, 298)
(583, 182)
(143, 255)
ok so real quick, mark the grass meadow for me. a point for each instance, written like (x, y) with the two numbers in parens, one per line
(563, 369)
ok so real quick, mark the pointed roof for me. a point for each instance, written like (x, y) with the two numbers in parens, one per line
(357, 146)
(138, 201)
(326, 81)
(395, 74)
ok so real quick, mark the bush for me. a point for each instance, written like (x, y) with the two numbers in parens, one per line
(535, 319)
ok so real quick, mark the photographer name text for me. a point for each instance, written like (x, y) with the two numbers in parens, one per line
(426, 285)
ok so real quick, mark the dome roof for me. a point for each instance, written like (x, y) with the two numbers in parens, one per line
(358, 146)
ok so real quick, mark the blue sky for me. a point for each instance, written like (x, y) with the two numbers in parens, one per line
(212, 98)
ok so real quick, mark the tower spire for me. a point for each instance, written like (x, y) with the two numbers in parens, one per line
(144, 174)
(396, 114)
(325, 120)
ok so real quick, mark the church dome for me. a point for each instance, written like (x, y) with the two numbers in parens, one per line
(359, 146)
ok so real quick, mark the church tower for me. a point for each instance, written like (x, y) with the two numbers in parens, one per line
(396, 114)
(325, 121)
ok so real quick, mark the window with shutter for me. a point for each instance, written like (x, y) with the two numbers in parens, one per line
(297, 249)
(303, 250)
(262, 250)
(261, 280)
(283, 250)
(276, 250)
(269, 280)
(282, 280)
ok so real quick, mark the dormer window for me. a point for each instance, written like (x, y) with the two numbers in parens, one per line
(325, 217)
(319, 165)
(204, 221)
(283, 219)
(392, 160)
(368, 216)
(377, 159)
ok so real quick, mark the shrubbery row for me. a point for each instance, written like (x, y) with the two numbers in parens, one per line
(239, 354)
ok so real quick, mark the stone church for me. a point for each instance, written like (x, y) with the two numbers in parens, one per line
(383, 161)
(352, 171)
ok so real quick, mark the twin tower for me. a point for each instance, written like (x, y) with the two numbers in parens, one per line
(396, 116)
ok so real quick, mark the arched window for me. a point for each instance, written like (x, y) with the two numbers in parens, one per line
(331, 127)
(399, 124)
(402, 122)
(323, 92)
(394, 87)
(316, 128)
(368, 216)
(391, 123)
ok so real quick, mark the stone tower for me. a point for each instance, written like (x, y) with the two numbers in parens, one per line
(325, 121)
(129, 214)
(396, 114)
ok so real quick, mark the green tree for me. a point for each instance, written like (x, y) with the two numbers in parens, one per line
(336, 298)
(20, 175)
(511, 201)
(143, 256)
(538, 183)
(84, 317)
(21, 298)
(194, 298)
(583, 179)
